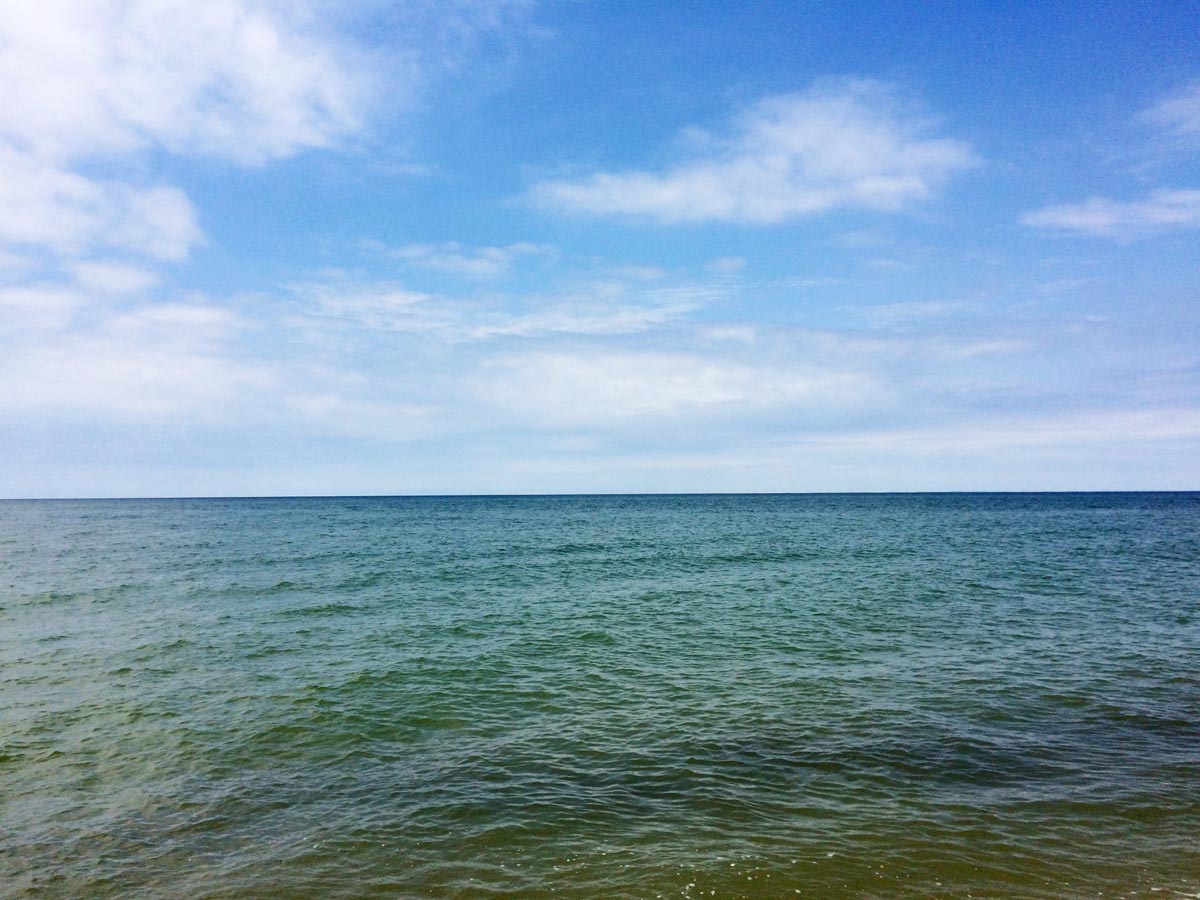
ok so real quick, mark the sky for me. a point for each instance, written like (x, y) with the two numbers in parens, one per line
(288, 248)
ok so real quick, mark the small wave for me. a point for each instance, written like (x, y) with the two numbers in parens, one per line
(766, 556)
(324, 610)
(602, 638)
(571, 548)
(365, 580)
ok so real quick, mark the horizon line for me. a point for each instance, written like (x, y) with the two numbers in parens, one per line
(587, 494)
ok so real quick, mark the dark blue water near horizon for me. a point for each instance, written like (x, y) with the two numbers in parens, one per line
(868, 695)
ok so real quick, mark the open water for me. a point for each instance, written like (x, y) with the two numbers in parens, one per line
(690, 697)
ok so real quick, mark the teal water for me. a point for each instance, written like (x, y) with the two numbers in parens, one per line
(585, 697)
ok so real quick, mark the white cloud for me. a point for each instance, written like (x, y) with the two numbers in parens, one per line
(1161, 210)
(819, 281)
(1081, 451)
(29, 308)
(113, 278)
(889, 315)
(12, 264)
(157, 221)
(43, 204)
(603, 309)
(592, 315)
(889, 264)
(334, 412)
(189, 365)
(380, 307)
(1060, 285)
(850, 145)
(607, 387)
(639, 273)
(1078, 429)
(1177, 119)
(194, 323)
(480, 262)
(226, 77)
(149, 364)
(726, 265)
(84, 83)
(1178, 114)
(864, 239)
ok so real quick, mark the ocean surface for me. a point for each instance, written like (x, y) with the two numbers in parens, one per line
(867, 696)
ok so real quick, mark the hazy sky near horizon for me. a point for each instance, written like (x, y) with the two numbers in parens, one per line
(299, 248)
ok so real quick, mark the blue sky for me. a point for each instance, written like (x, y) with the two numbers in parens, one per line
(285, 248)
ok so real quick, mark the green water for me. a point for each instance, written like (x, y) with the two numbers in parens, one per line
(685, 697)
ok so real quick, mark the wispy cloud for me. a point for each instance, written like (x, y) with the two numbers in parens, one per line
(379, 307)
(1175, 120)
(819, 281)
(1161, 210)
(157, 363)
(597, 315)
(1062, 285)
(1178, 114)
(639, 273)
(478, 262)
(346, 413)
(852, 144)
(890, 315)
(864, 239)
(607, 386)
(726, 265)
(1078, 429)
(605, 309)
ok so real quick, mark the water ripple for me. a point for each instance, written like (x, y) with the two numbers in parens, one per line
(756, 697)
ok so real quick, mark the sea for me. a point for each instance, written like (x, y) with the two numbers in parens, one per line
(701, 696)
